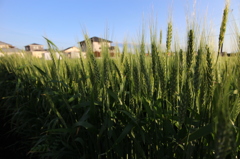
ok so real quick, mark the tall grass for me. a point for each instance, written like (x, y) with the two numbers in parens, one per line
(176, 105)
(223, 27)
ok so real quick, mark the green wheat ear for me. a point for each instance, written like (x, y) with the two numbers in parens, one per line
(169, 37)
(223, 27)
(197, 70)
(209, 72)
(173, 78)
(106, 71)
(181, 67)
(190, 50)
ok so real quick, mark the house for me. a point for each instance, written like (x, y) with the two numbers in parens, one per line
(8, 49)
(5, 45)
(34, 47)
(48, 56)
(112, 51)
(35, 50)
(96, 45)
(73, 52)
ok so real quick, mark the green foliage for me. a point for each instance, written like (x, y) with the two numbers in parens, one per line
(169, 37)
(176, 105)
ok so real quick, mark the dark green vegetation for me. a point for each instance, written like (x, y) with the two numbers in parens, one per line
(178, 106)
(181, 104)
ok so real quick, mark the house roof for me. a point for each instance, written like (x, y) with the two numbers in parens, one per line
(33, 44)
(96, 39)
(69, 48)
(7, 50)
(3, 43)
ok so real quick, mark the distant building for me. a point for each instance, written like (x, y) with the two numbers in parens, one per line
(112, 51)
(96, 45)
(73, 52)
(35, 50)
(8, 49)
(48, 56)
(34, 47)
(5, 45)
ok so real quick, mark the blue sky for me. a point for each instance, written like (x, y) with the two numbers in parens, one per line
(63, 21)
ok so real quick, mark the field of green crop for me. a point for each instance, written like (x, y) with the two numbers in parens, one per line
(171, 104)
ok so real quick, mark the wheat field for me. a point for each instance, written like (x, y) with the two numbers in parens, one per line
(170, 104)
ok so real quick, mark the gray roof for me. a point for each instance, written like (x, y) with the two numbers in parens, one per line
(3, 43)
(7, 50)
(68, 48)
(33, 44)
(96, 39)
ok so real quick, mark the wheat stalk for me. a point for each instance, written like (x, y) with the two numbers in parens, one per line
(197, 68)
(190, 50)
(169, 37)
(223, 27)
